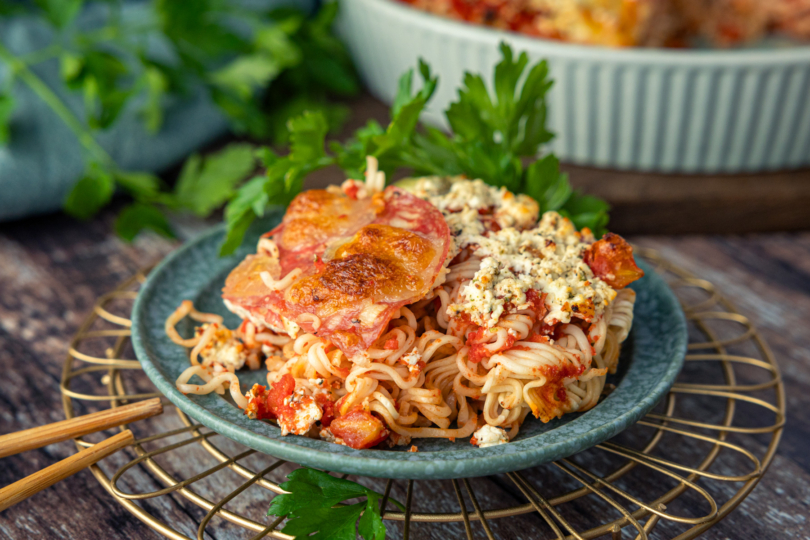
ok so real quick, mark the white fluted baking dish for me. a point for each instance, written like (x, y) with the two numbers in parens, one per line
(685, 110)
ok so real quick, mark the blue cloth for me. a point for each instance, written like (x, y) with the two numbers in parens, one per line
(43, 159)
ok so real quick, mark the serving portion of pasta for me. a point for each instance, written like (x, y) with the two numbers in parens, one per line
(442, 308)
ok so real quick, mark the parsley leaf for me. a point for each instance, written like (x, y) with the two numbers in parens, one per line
(92, 192)
(6, 108)
(141, 185)
(326, 523)
(196, 29)
(206, 184)
(248, 204)
(371, 526)
(307, 134)
(311, 507)
(275, 41)
(60, 12)
(283, 179)
(157, 84)
(404, 117)
(545, 184)
(101, 77)
(246, 74)
(587, 211)
(139, 216)
(495, 132)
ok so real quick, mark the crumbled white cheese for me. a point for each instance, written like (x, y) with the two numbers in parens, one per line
(412, 358)
(473, 194)
(224, 352)
(306, 414)
(319, 384)
(487, 436)
(451, 195)
(514, 259)
(231, 355)
(465, 226)
(548, 259)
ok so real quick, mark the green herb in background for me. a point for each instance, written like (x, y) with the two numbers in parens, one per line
(313, 511)
(493, 134)
(260, 66)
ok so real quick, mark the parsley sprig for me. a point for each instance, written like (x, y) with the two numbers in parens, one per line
(494, 133)
(260, 66)
(313, 510)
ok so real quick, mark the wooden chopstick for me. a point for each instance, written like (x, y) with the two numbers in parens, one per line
(22, 489)
(14, 443)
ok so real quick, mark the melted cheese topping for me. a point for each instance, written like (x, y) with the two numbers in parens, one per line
(456, 194)
(548, 259)
(380, 262)
(246, 279)
(462, 201)
(317, 215)
(522, 255)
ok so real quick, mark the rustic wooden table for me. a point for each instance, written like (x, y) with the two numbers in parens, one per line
(52, 269)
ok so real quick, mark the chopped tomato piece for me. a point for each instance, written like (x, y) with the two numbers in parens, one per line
(281, 389)
(359, 429)
(479, 351)
(392, 344)
(538, 303)
(257, 406)
(351, 189)
(328, 408)
(611, 258)
(546, 332)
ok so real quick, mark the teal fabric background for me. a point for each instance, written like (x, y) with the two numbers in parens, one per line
(43, 160)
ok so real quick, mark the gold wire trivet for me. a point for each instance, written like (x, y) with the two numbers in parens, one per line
(719, 336)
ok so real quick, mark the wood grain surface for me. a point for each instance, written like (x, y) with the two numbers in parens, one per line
(52, 269)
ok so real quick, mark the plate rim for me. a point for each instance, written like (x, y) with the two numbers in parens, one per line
(391, 466)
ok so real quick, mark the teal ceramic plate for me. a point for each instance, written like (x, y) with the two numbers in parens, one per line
(651, 359)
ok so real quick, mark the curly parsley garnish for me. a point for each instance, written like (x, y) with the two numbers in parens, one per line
(493, 133)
